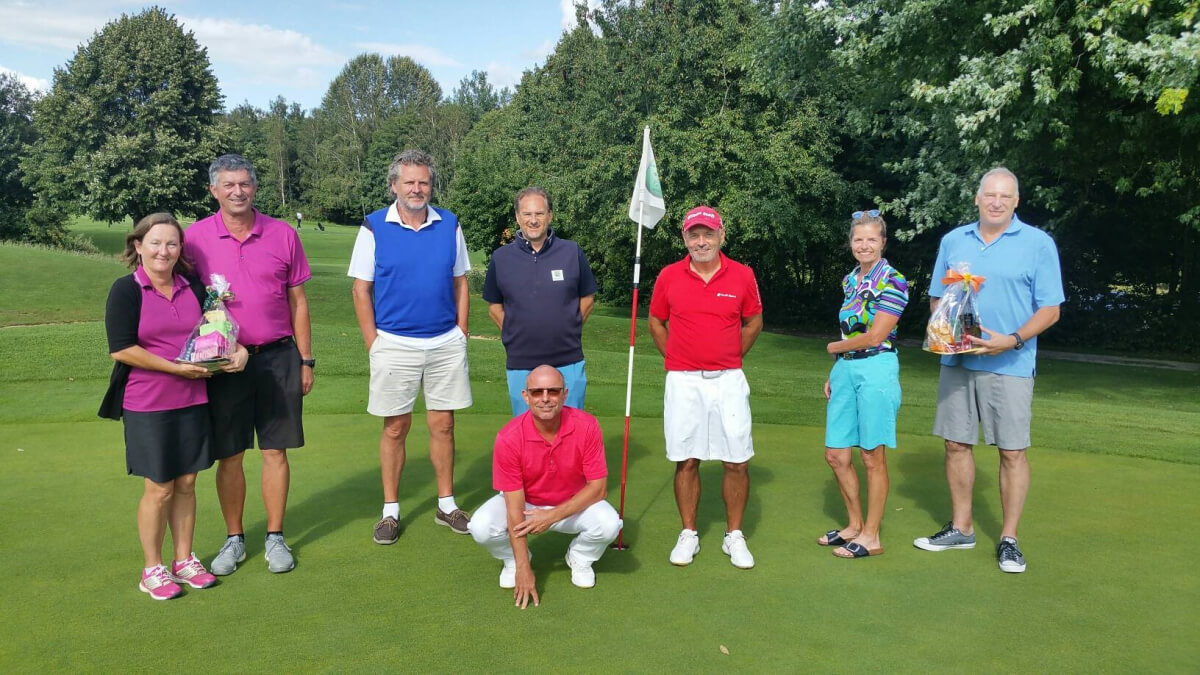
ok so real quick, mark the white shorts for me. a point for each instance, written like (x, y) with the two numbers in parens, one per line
(706, 415)
(397, 373)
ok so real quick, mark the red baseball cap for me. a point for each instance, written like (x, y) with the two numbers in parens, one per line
(702, 215)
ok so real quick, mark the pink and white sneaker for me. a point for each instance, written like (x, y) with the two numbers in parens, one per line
(192, 573)
(159, 584)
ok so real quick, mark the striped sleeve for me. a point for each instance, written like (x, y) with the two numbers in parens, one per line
(894, 294)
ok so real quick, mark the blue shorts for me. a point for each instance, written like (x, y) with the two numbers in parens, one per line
(574, 375)
(863, 402)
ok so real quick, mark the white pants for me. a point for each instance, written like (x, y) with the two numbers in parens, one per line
(597, 527)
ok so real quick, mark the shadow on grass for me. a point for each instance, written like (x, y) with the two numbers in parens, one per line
(924, 482)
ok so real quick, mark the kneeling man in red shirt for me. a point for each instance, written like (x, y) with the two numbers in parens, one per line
(549, 467)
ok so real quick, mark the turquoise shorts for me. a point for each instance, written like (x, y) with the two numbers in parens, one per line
(863, 402)
(574, 376)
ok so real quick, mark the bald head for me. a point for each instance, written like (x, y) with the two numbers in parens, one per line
(545, 392)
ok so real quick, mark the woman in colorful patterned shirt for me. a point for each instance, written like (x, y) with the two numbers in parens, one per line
(164, 405)
(863, 388)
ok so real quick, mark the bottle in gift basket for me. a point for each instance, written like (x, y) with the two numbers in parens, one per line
(955, 317)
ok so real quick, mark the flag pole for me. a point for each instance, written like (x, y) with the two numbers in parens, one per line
(637, 273)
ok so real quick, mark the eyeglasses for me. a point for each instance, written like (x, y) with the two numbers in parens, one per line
(858, 215)
(539, 392)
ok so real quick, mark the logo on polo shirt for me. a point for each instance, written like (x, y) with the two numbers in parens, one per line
(726, 295)
(556, 275)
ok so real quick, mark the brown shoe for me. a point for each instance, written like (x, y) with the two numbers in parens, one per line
(387, 531)
(456, 520)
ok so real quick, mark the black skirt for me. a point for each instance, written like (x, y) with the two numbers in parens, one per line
(167, 444)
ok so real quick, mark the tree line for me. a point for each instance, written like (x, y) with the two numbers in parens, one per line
(784, 115)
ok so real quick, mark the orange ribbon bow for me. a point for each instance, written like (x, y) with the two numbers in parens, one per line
(973, 280)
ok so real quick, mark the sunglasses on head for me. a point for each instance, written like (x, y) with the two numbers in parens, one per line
(859, 215)
(538, 392)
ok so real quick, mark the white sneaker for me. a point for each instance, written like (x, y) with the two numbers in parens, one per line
(582, 574)
(686, 548)
(508, 573)
(735, 547)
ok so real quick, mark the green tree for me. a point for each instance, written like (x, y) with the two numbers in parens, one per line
(16, 134)
(682, 67)
(1087, 101)
(479, 96)
(361, 99)
(130, 123)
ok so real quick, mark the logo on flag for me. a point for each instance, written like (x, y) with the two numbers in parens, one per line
(646, 207)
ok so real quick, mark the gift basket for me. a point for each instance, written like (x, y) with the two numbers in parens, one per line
(214, 339)
(955, 317)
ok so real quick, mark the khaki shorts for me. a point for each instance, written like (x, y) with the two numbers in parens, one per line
(398, 373)
(968, 399)
(706, 415)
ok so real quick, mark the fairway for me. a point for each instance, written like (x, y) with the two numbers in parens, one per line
(1114, 465)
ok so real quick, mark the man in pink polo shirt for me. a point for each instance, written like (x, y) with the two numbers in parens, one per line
(266, 268)
(705, 315)
(548, 464)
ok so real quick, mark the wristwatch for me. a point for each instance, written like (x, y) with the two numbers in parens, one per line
(311, 363)
(1020, 343)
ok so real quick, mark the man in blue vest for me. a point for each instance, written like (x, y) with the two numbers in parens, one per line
(410, 297)
(540, 289)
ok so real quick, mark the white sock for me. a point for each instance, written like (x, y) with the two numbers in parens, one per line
(447, 504)
(149, 570)
(391, 509)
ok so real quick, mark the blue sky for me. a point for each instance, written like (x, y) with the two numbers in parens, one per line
(259, 50)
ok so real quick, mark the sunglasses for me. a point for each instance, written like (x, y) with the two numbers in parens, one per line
(859, 215)
(539, 392)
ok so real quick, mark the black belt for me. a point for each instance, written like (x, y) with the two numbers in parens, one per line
(281, 342)
(865, 353)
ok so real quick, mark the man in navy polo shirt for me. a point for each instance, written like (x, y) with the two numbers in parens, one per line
(993, 388)
(540, 289)
(705, 314)
(410, 298)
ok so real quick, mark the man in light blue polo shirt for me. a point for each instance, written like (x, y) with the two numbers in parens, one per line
(410, 298)
(993, 387)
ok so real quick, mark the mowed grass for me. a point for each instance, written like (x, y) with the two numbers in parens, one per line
(1114, 466)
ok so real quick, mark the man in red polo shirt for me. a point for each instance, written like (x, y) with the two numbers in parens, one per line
(548, 464)
(705, 315)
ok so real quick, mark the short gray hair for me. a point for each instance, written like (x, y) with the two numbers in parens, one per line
(532, 190)
(1000, 171)
(230, 162)
(411, 158)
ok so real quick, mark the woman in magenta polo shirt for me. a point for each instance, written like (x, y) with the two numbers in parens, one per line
(164, 404)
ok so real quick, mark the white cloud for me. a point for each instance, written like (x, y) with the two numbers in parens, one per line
(501, 75)
(542, 51)
(263, 55)
(51, 27)
(568, 11)
(34, 83)
(423, 54)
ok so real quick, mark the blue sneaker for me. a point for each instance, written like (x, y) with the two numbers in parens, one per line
(947, 538)
(1010, 556)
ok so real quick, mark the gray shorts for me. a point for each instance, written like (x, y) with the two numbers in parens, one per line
(1003, 404)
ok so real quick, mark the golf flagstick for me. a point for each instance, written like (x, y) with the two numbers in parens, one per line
(647, 192)
(637, 273)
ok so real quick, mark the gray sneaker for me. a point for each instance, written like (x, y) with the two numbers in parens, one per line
(1010, 556)
(947, 538)
(279, 556)
(232, 553)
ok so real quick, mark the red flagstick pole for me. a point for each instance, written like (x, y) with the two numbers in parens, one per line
(637, 273)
